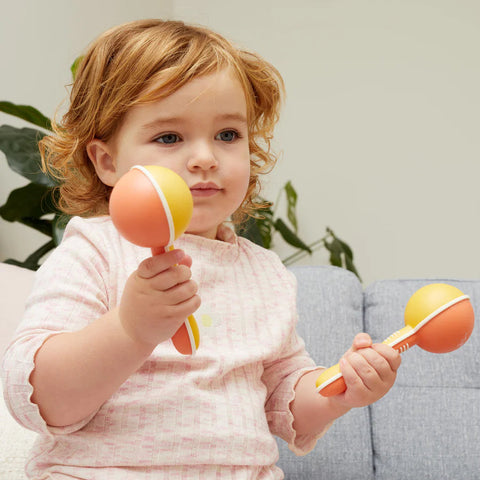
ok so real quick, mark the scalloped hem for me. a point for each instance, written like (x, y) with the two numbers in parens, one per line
(301, 445)
(32, 418)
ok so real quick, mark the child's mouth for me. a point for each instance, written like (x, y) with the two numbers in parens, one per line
(205, 189)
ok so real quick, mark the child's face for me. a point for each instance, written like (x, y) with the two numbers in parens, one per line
(201, 133)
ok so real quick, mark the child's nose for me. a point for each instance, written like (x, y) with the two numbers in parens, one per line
(202, 156)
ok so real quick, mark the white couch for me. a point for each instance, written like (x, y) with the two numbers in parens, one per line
(15, 285)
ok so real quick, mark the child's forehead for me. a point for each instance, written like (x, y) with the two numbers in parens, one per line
(221, 84)
(166, 82)
(218, 94)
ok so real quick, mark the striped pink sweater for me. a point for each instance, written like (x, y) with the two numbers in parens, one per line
(208, 416)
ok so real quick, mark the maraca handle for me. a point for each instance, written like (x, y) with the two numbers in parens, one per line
(187, 338)
(330, 382)
(402, 339)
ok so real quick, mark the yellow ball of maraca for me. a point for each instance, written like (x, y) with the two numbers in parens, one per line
(151, 206)
(443, 316)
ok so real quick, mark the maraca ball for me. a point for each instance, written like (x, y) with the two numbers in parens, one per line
(450, 327)
(151, 206)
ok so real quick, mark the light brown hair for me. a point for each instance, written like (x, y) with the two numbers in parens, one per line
(145, 61)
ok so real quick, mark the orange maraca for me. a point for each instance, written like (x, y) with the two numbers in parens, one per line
(439, 318)
(151, 206)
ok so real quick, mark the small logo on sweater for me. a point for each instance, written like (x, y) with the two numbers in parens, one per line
(206, 320)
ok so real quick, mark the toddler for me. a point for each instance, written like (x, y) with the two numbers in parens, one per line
(91, 367)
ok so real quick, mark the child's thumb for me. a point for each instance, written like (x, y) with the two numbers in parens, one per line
(361, 340)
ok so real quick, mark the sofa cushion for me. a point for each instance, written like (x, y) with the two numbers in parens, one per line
(433, 410)
(330, 306)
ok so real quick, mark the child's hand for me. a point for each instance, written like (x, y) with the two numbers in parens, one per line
(158, 298)
(369, 371)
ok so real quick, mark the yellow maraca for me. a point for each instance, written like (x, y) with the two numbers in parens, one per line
(438, 318)
(151, 206)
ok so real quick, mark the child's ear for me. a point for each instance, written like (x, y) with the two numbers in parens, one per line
(101, 155)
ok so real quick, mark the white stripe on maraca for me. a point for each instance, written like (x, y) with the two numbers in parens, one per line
(436, 312)
(190, 335)
(168, 213)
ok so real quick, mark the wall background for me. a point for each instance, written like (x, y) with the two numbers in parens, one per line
(380, 133)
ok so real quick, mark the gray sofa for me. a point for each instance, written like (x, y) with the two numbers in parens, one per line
(427, 427)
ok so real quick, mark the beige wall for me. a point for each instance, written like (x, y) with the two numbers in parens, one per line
(380, 132)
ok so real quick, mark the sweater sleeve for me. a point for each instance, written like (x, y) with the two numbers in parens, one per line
(68, 293)
(281, 376)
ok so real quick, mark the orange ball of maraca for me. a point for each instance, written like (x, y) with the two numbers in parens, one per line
(447, 315)
(151, 206)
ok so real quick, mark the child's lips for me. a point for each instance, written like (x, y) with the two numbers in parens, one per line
(205, 189)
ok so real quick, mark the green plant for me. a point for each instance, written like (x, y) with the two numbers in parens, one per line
(263, 228)
(34, 204)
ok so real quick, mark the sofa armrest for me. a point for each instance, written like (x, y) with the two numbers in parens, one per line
(15, 286)
(15, 441)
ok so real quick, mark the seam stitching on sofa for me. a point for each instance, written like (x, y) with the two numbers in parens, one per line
(369, 408)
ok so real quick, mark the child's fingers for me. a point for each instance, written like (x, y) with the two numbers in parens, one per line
(353, 381)
(152, 266)
(188, 307)
(179, 293)
(361, 340)
(186, 260)
(372, 367)
(179, 313)
(377, 368)
(170, 278)
(361, 364)
(390, 354)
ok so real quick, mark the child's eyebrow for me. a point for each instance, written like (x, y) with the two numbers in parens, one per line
(236, 117)
(160, 122)
(163, 121)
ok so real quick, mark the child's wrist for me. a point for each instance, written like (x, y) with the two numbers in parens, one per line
(129, 335)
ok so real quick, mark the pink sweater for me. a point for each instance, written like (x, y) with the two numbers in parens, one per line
(202, 417)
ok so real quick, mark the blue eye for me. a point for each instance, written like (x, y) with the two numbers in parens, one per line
(227, 136)
(168, 138)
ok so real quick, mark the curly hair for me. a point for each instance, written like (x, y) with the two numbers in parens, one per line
(141, 62)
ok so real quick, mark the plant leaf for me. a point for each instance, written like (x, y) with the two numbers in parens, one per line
(58, 227)
(341, 254)
(30, 202)
(348, 251)
(75, 65)
(349, 265)
(251, 231)
(264, 226)
(26, 112)
(20, 146)
(40, 224)
(32, 262)
(335, 249)
(291, 204)
(289, 236)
